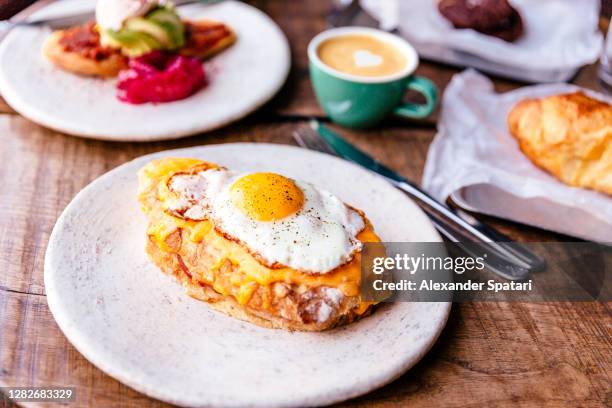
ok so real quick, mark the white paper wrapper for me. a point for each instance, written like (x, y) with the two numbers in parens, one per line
(559, 34)
(474, 158)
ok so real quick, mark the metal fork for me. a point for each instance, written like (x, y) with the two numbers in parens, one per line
(446, 222)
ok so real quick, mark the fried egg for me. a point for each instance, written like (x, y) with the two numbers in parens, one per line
(285, 222)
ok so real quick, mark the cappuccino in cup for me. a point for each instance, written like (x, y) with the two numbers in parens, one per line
(362, 55)
(360, 76)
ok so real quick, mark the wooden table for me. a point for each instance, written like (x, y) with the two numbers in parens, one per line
(490, 354)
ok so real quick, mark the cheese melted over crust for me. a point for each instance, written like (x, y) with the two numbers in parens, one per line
(251, 272)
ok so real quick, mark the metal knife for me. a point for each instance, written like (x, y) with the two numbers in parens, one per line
(56, 23)
(509, 259)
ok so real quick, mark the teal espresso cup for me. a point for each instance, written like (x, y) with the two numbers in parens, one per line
(362, 101)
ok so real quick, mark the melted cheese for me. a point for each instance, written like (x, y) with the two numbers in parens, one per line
(249, 272)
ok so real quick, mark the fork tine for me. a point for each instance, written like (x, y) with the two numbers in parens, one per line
(313, 141)
(310, 139)
(299, 140)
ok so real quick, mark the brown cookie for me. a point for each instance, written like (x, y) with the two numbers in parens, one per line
(491, 17)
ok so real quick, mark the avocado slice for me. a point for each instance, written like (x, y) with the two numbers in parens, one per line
(152, 28)
(149, 43)
(171, 23)
(132, 43)
(176, 33)
(164, 15)
(108, 38)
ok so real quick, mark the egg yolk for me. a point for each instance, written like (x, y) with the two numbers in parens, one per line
(266, 196)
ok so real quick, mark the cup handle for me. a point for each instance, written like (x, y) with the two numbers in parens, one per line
(416, 111)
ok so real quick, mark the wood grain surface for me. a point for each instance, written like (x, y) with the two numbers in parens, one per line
(490, 354)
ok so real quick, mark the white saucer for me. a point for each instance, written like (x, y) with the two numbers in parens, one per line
(137, 324)
(241, 79)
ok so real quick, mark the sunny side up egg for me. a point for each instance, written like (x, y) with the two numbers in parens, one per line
(286, 222)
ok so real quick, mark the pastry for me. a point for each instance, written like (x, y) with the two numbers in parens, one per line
(496, 18)
(569, 136)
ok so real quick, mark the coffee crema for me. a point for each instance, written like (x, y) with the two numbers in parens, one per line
(361, 55)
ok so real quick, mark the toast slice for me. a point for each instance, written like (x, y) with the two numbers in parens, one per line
(223, 272)
(206, 38)
(291, 307)
(79, 50)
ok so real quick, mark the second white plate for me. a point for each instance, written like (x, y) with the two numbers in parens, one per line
(137, 324)
(241, 79)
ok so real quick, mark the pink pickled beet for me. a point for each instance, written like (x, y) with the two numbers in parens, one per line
(160, 77)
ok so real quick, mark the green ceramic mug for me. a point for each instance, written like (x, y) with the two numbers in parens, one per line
(363, 101)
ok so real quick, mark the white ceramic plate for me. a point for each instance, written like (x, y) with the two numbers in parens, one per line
(242, 78)
(137, 324)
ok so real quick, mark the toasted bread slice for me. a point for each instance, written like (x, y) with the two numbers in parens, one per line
(206, 38)
(223, 272)
(289, 309)
(78, 50)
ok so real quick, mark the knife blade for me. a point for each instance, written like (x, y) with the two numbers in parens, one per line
(351, 153)
(56, 23)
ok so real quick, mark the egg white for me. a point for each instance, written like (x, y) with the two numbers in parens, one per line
(318, 238)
